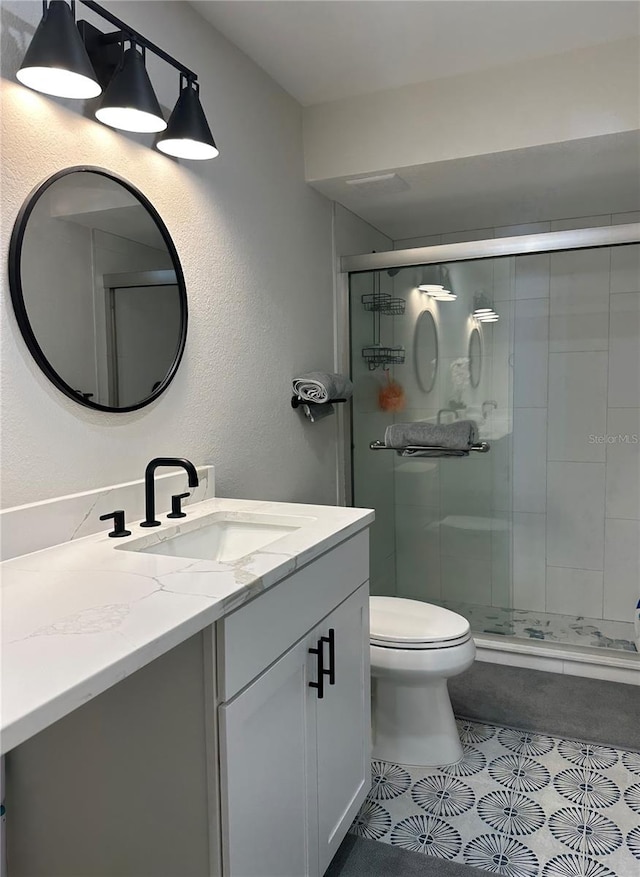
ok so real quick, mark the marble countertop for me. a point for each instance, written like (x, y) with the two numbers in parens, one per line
(79, 617)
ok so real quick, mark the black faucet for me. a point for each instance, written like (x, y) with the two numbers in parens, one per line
(149, 486)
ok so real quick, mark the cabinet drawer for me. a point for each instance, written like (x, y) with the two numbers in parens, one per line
(254, 636)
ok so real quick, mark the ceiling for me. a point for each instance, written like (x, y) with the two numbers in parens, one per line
(324, 50)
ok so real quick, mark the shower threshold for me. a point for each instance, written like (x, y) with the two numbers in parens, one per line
(570, 630)
(571, 645)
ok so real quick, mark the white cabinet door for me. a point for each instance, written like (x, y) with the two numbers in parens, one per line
(268, 768)
(344, 723)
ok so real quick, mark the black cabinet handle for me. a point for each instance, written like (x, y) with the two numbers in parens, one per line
(118, 523)
(176, 510)
(331, 639)
(319, 651)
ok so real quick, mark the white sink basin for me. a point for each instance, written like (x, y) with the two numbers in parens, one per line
(224, 536)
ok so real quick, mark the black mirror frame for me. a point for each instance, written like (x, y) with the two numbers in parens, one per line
(17, 298)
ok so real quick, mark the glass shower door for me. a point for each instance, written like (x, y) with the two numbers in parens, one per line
(443, 525)
(538, 538)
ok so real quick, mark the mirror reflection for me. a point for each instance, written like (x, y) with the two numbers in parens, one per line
(426, 351)
(98, 290)
(475, 357)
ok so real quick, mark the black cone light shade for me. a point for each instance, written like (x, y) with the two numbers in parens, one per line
(129, 101)
(56, 61)
(188, 134)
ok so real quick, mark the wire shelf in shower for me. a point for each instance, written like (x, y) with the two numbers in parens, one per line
(381, 356)
(383, 303)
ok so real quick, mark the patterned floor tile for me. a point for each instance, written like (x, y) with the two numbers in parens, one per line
(519, 804)
(501, 854)
(571, 865)
(443, 795)
(586, 787)
(511, 812)
(633, 842)
(585, 831)
(427, 834)
(388, 780)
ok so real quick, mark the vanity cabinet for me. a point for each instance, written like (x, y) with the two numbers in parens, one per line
(217, 758)
(295, 746)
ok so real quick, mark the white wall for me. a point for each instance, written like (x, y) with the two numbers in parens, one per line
(255, 245)
(584, 93)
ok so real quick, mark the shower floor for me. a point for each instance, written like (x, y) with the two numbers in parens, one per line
(573, 630)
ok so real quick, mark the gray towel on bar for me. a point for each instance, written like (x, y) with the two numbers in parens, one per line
(322, 387)
(317, 412)
(456, 436)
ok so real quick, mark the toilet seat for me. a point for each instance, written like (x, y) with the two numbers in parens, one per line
(399, 623)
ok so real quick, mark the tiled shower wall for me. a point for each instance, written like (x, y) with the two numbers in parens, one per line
(573, 493)
(576, 428)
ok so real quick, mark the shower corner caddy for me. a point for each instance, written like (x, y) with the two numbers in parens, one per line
(382, 303)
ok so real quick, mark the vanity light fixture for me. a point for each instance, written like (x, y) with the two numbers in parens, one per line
(437, 292)
(129, 102)
(188, 134)
(482, 309)
(56, 61)
(80, 61)
(445, 295)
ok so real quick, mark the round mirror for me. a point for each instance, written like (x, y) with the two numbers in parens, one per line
(475, 357)
(98, 289)
(426, 351)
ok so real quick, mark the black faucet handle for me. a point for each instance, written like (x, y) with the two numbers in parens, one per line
(118, 524)
(176, 510)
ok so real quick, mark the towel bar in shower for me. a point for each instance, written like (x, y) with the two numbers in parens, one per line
(480, 447)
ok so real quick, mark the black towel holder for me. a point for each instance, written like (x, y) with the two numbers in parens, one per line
(296, 401)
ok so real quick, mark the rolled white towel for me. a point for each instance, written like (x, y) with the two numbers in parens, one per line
(322, 387)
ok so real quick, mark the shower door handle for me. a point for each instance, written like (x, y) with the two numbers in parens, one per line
(319, 651)
(331, 639)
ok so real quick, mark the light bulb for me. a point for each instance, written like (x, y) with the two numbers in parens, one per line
(184, 148)
(58, 82)
(130, 119)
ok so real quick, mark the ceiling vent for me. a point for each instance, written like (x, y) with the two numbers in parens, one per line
(380, 184)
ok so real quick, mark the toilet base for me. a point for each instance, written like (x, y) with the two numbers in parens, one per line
(414, 724)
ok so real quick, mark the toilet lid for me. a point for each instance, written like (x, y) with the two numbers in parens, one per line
(411, 623)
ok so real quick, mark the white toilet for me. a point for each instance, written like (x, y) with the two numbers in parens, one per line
(415, 648)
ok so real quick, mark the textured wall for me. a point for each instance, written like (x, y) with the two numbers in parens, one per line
(255, 246)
